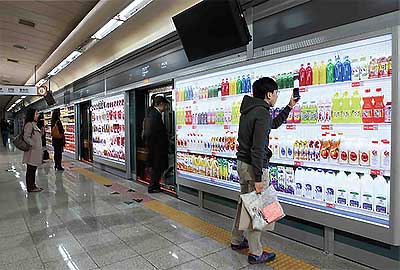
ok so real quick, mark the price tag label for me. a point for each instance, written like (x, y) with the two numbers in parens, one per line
(223, 98)
(330, 205)
(326, 127)
(179, 127)
(298, 163)
(194, 127)
(213, 154)
(356, 84)
(303, 90)
(226, 126)
(377, 172)
(370, 127)
(291, 127)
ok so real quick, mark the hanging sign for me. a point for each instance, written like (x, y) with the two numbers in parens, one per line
(21, 90)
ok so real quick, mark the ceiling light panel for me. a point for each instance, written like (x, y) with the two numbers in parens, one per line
(65, 62)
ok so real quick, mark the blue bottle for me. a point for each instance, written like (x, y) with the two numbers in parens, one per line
(346, 69)
(248, 84)
(244, 84)
(338, 70)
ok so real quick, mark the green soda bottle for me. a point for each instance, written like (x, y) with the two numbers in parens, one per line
(238, 86)
(330, 72)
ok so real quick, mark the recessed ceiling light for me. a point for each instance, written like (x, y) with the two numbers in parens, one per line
(12, 60)
(26, 22)
(19, 47)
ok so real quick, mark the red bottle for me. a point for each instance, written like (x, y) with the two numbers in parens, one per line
(379, 107)
(302, 75)
(227, 86)
(223, 88)
(309, 74)
(367, 108)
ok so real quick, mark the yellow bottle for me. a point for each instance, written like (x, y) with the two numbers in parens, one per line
(316, 70)
(322, 73)
(232, 87)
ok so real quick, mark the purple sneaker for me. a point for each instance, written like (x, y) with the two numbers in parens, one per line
(243, 245)
(263, 258)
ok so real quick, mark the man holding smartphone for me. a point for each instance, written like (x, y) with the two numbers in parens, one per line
(253, 156)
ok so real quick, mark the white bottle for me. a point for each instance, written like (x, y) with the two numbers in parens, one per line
(283, 148)
(354, 190)
(365, 152)
(341, 188)
(375, 154)
(281, 179)
(330, 187)
(367, 192)
(290, 185)
(381, 195)
(354, 152)
(289, 148)
(319, 181)
(344, 151)
(309, 183)
(298, 177)
(385, 155)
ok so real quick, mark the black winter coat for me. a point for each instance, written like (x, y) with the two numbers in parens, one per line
(58, 142)
(254, 128)
(156, 139)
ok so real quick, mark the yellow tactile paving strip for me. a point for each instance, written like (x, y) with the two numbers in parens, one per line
(95, 177)
(282, 262)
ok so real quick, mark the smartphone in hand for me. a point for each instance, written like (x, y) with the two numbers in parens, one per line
(296, 90)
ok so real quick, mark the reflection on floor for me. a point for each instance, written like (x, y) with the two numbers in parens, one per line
(79, 223)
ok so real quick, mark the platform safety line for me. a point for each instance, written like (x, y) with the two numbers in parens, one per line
(282, 262)
(93, 176)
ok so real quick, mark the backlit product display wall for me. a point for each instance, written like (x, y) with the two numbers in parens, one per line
(108, 124)
(332, 154)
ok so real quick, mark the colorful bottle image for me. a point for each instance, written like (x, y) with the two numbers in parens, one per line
(367, 192)
(355, 70)
(389, 66)
(367, 107)
(347, 71)
(304, 113)
(296, 114)
(383, 67)
(244, 85)
(248, 80)
(354, 190)
(356, 110)
(322, 73)
(379, 107)
(342, 189)
(223, 88)
(238, 86)
(315, 80)
(302, 75)
(381, 195)
(338, 70)
(364, 68)
(373, 68)
(309, 74)
(346, 108)
(330, 72)
(313, 113)
(388, 112)
(336, 108)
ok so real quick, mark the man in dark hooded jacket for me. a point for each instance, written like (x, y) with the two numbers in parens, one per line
(253, 156)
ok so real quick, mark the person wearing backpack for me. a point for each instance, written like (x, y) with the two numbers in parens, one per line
(58, 139)
(33, 157)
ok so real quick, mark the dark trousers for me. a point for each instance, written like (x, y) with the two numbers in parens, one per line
(4, 135)
(58, 156)
(30, 177)
(156, 172)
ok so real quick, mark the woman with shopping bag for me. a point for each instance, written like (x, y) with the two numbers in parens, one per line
(253, 159)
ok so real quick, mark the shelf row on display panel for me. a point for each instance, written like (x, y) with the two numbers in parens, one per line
(356, 213)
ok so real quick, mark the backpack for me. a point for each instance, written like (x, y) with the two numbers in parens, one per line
(55, 132)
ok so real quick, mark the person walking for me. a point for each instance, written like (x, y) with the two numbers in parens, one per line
(58, 139)
(253, 157)
(4, 131)
(33, 157)
(156, 141)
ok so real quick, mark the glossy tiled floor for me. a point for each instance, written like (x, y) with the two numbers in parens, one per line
(77, 223)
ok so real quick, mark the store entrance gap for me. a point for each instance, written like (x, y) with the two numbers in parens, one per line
(86, 147)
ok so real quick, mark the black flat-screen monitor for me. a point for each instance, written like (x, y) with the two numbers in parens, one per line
(48, 96)
(211, 27)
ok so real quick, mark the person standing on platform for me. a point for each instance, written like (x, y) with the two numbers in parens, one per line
(33, 157)
(4, 131)
(156, 140)
(58, 139)
(41, 125)
(253, 157)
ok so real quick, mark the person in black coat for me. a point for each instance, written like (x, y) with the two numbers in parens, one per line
(156, 141)
(58, 143)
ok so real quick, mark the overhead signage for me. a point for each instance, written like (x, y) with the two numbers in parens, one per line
(21, 90)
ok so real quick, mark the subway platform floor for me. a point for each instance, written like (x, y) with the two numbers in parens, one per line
(88, 219)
